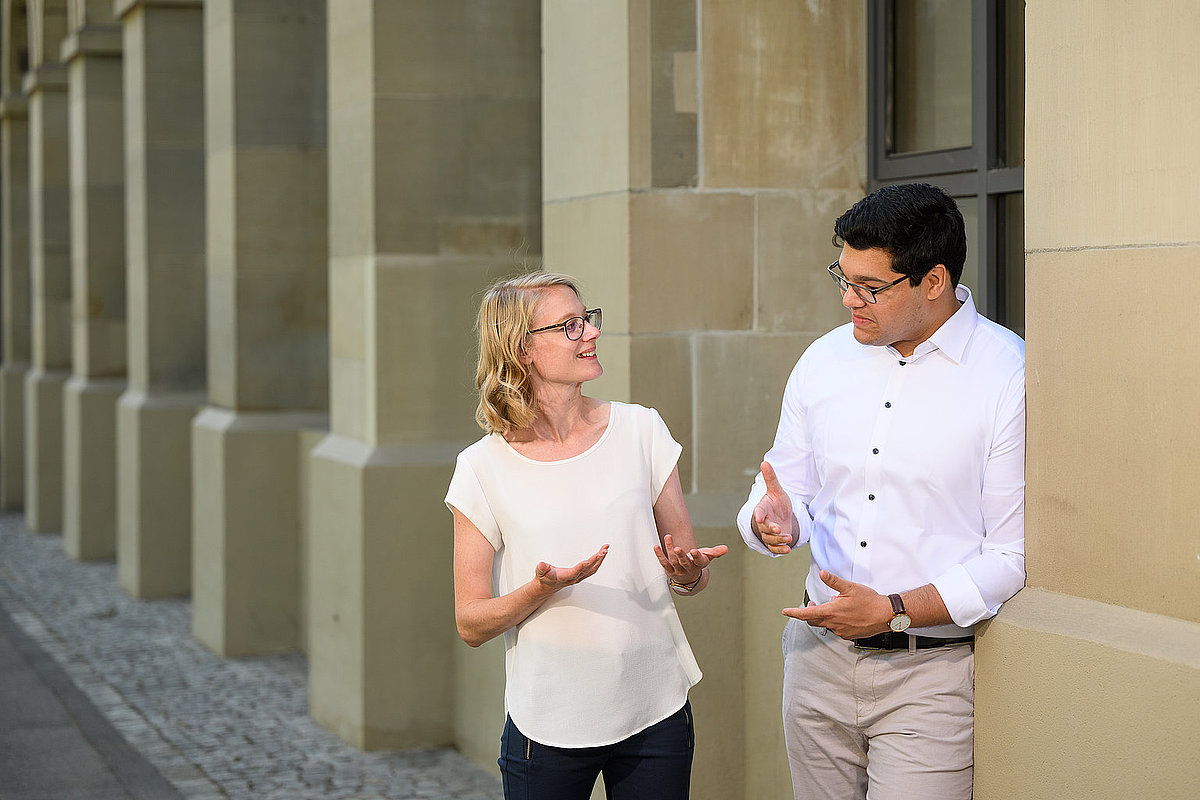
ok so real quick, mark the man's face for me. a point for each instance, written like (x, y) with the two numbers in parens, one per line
(901, 316)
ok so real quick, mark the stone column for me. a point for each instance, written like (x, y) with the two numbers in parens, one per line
(14, 293)
(434, 185)
(49, 267)
(268, 353)
(165, 238)
(92, 53)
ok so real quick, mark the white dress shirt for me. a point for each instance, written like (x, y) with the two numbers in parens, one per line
(909, 471)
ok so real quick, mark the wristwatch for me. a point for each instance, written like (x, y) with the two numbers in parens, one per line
(900, 619)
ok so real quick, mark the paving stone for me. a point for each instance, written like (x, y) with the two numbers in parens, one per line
(216, 728)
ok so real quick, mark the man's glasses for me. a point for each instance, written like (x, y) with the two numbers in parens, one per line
(865, 293)
(574, 327)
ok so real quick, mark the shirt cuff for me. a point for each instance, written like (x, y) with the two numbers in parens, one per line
(961, 596)
(803, 524)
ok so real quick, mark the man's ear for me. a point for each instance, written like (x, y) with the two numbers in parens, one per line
(938, 280)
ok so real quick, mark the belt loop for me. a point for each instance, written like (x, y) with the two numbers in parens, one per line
(912, 644)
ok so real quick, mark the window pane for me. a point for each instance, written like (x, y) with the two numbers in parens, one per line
(931, 99)
(1012, 275)
(1013, 152)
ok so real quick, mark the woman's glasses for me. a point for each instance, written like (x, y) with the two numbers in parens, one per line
(574, 327)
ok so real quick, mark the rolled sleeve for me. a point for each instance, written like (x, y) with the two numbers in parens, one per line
(975, 590)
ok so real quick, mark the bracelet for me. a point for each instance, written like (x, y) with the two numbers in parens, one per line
(687, 587)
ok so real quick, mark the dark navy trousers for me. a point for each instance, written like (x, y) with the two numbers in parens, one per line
(655, 764)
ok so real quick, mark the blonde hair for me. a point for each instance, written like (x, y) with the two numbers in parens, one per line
(506, 401)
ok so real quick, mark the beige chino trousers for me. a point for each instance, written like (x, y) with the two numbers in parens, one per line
(893, 725)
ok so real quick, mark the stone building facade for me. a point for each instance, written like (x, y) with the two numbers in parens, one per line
(242, 242)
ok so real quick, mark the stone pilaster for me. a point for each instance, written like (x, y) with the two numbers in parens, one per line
(163, 52)
(14, 296)
(92, 55)
(50, 291)
(427, 204)
(268, 354)
(1101, 650)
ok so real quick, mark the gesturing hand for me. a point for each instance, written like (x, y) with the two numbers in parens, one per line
(773, 521)
(682, 565)
(554, 578)
(858, 611)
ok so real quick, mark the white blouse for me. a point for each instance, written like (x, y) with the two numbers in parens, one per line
(606, 658)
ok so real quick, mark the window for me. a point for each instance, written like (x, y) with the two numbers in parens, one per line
(947, 106)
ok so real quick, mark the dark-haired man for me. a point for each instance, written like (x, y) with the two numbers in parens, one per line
(900, 458)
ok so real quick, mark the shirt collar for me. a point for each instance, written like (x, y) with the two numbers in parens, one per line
(952, 337)
(955, 332)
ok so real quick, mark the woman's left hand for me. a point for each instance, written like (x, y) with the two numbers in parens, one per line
(685, 566)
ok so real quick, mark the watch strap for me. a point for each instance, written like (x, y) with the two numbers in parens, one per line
(897, 603)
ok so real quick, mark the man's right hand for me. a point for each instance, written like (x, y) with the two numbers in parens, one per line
(773, 521)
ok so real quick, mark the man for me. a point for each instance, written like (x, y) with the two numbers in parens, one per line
(900, 458)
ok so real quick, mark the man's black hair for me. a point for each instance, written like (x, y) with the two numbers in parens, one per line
(918, 225)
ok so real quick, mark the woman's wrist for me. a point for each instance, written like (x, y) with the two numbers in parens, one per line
(687, 587)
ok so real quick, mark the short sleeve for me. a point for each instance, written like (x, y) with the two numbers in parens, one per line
(466, 494)
(664, 452)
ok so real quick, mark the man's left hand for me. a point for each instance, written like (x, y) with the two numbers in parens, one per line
(856, 612)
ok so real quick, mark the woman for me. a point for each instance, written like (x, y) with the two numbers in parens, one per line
(573, 507)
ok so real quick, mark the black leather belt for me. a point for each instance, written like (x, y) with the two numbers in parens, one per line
(900, 641)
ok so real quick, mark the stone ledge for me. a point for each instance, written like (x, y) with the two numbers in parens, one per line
(1125, 629)
(92, 40)
(123, 7)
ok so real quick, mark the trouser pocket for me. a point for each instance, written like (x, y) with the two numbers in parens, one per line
(691, 725)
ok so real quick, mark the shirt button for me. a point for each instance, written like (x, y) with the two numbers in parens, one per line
(902, 363)
(870, 497)
(887, 405)
(862, 544)
(875, 450)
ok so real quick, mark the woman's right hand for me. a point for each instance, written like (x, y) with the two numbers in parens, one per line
(480, 616)
(551, 578)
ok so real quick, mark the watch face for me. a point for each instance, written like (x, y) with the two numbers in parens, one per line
(899, 622)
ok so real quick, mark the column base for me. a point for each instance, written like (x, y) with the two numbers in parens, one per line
(154, 492)
(381, 631)
(247, 544)
(44, 450)
(12, 436)
(90, 467)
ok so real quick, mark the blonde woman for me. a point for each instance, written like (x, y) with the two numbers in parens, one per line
(572, 506)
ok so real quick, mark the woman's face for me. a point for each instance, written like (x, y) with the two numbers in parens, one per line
(550, 355)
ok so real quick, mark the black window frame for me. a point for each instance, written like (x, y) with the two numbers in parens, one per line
(976, 171)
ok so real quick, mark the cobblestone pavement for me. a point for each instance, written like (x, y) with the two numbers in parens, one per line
(214, 727)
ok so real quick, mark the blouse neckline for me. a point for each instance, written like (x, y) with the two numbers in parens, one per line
(607, 428)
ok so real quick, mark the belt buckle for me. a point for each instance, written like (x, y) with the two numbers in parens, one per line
(888, 641)
(861, 644)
